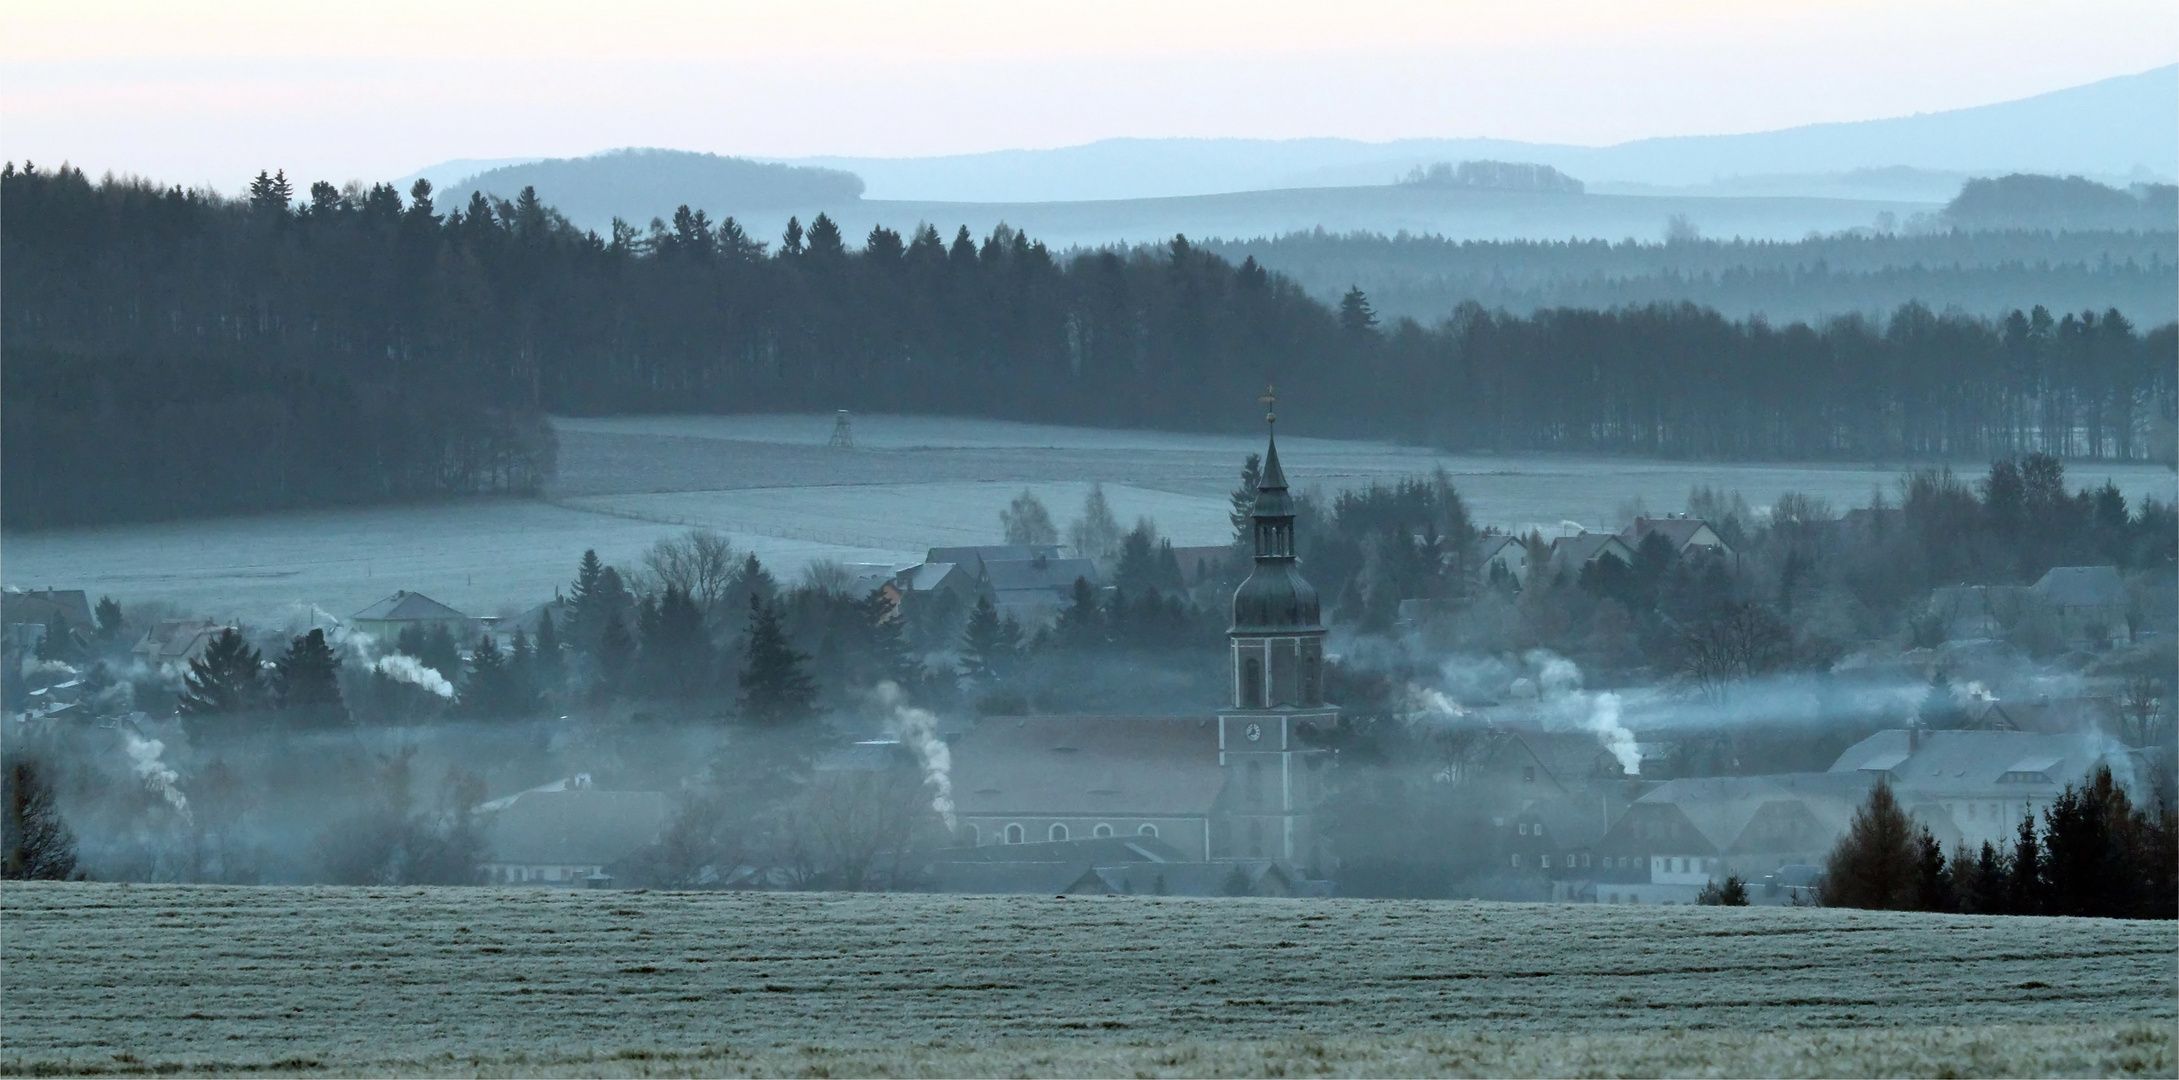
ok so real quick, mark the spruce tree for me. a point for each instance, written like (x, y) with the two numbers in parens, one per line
(441, 653)
(306, 680)
(676, 646)
(551, 663)
(1874, 864)
(1934, 880)
(584, 618)
(58, 643)
(522, 669)
(487, 691)
(225, 680)
(1081, 624)
(775, 690)
(890, 657)
(1243, 514)
(2026, 879)
(616, 649)
(108, 615)
(1356, 317)
(989, 645)
(35, 843)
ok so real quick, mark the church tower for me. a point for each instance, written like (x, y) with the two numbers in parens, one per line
(1277, 641)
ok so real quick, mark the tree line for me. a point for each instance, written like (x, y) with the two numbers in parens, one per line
(1986, 273)
(2094, 854)
(174, 352)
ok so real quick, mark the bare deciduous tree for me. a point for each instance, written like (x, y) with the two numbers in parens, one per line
(699, 562)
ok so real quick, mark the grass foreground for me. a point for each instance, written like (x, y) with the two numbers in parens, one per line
(135, 979)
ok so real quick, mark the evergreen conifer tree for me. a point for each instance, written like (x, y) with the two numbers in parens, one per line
(522, 669)
(225, 680)
(676, 645)
(1874, 864)
(306, 680)
(1934, 880)
(108, 615)
(2026, 879)
(1940, 709)
(59, 643)
(1243, 514)
(775, 689)
(616, 649)
(585, 620)
(551, 663)
(441, 653)
(35, 843)
(990, 645)
(487, 691)
(1356, 317)
(1081, 624)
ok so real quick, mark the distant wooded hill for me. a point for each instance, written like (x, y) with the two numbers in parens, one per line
(637, 185)
(2028, 201)
(1812, 279)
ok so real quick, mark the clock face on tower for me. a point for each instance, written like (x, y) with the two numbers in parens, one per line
(1253, 731)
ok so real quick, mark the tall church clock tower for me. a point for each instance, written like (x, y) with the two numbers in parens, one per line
(1277, 640)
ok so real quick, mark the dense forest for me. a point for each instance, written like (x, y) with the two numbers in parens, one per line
(172, 352)
(1985, 273)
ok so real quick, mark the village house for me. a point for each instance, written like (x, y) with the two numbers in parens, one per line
(404, 610)
(177, 642)
(1569, 554)
(2087, 604)
(1497, 554)
(1689, 537)
(1977, 784)
(28, 614)
(568, 835)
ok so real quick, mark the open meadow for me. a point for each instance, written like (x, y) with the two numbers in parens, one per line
(771, 485)
(202, 979)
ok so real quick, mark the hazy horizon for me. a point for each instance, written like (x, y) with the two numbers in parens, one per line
(211, 97)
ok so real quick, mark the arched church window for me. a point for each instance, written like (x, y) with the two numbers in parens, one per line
(1013, 834)
(1252, 683)
(1059, 832)
(1102, 831)
(1147, 830)
(970, 837)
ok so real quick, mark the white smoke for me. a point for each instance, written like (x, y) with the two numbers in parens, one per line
(1558, 685)
(1427, 705)
(34, 666)
(918, 729)
(401, 667)
(157, 776)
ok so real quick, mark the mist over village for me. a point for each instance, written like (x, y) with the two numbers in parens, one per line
(1636, 587)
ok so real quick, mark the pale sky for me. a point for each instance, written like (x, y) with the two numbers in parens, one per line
(209, 92)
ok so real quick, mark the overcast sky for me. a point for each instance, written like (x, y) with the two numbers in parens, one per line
(209, 92)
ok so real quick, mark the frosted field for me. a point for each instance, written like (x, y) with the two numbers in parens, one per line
(769, 482)
(165, 979)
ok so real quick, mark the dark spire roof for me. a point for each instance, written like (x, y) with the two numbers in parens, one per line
(1271, 497)
(1276, 598)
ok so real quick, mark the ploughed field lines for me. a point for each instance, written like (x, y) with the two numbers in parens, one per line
(344, 977)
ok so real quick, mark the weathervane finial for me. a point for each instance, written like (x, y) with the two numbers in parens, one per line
(1270, 400)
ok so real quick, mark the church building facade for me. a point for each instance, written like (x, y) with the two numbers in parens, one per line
(1241, 786)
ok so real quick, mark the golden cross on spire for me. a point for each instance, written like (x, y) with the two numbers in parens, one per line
(1270, 400)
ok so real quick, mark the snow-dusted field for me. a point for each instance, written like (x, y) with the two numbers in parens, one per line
(770, 483)
(158, 979)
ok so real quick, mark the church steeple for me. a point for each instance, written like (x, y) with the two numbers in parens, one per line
(1277, 627)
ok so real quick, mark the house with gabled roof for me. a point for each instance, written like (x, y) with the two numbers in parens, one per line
(1688, 536)
(1982, 781)
(177, 641)
(1570, 553)
(1499, 553)
(570, 835)
(2087, 603)
(386, 619)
